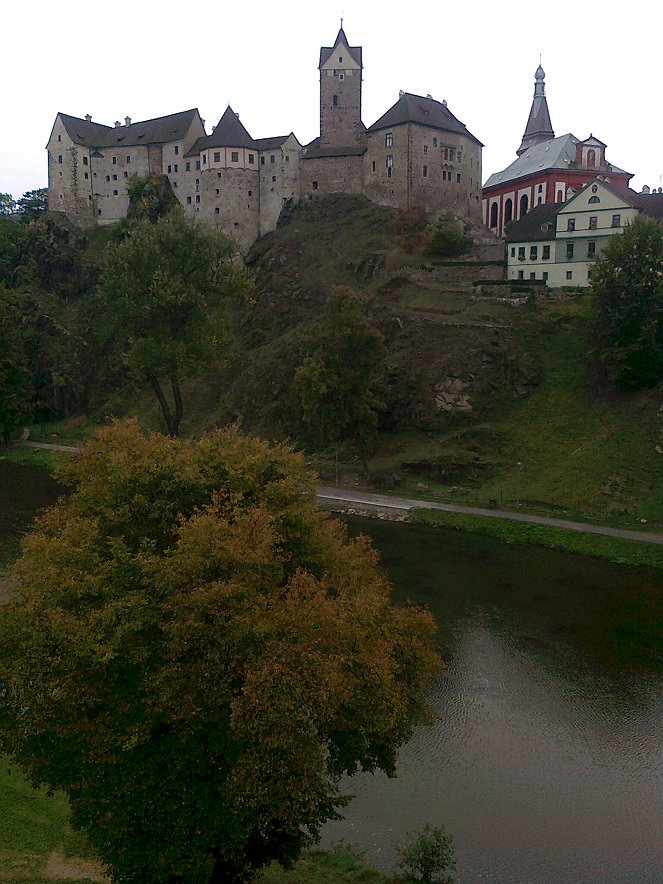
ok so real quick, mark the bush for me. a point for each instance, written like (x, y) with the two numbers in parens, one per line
(428, 856)
(448, 240)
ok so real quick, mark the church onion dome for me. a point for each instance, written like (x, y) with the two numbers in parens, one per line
(540, 73)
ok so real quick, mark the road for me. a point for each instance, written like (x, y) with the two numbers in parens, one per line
(386, 503)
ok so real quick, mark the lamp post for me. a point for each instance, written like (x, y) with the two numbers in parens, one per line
(520, 467)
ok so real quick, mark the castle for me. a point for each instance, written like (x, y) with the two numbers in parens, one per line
(416, 154)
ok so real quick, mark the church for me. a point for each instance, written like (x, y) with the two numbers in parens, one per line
(417, 154)
(547, 170)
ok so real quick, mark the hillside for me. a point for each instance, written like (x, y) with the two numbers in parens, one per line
(474, 383)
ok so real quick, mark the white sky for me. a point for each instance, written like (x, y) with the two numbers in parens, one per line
(146, 58)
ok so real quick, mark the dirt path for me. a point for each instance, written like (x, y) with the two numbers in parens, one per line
(350, 497)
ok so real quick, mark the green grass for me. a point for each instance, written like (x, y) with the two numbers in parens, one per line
(32, 826)
(341, 865)
(614, 549)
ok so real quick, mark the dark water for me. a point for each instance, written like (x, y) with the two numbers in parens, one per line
(545, 759)
(544, 762)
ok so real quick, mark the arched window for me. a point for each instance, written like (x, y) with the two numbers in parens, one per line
(593, 200)
(493, 215)
(508, 210)
(539, 201)
(560, 197)
(524, 205)
(591, 157)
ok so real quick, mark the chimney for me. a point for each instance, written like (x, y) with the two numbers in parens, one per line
(88, 117)
(645, 188)
(127, 121)
(117, 124)
(400, 93)
(444, 102)
(213, 129)
(428, 95)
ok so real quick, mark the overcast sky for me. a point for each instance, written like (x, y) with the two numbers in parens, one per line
(146, 58)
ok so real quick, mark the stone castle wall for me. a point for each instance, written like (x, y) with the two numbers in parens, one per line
(321, 175)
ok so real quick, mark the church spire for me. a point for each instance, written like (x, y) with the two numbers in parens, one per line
(539, 128)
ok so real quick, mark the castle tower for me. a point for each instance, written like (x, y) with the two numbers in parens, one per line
(539, 128)
(340, 94)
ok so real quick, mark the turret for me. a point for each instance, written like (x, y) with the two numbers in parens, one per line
(539, 128)
(340, 94)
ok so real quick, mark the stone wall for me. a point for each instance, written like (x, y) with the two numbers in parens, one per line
(340, 101)
(69, 178)
(332, 175)
(279, 181)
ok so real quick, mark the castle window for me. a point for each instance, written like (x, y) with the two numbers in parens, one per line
(373, 165)
(446, 153)
(234, 156)
(204, 159)
(177, 149)
(335, 100)
(236, 224)
(458, 178)
(250, 193)
(434, 142)
(85, 161)
(115, 193)
(425, 149)
(545, 253)
(287, 158)
(175, 167)
(273, 178)
(569, 274)
(544, 276)
(315, 185)
(60, 174)
(217, 156)
(513, 251)
(107, 177)
(218, 175)
(571, 224)
(262, 161)
(114, 177)
(533, 253)
(521, 274)
(591, 249)
(126, 174)
(451, 156)
(340, 76)
(521, 253)
(128, 158)
(251, 158)
(197, 197)
(593, 222)
(340, 58)
(425, 172)
(170, 169)
(272, 158)
(390, 160)
(389, 139)
(188, 167)
(86, 175)
(444, 174)
(217, 191)
(616, 221)
(569, 251)
(197, 165)
(216, 210)
(60, 159)
(115, 161)
(593, 200)
(59, 137)
(188, 201)
(389, 170)
(197, 181)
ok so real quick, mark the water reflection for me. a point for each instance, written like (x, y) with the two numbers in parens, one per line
(544, 766)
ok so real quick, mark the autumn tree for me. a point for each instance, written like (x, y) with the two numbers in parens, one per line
(195, 655)
(165, 290)
(338, 380)
(627, 284)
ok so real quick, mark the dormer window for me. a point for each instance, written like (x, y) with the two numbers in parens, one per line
(340, 58)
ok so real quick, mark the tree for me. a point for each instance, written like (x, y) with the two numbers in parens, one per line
(448, 240)
(7, 204)
(338, 379)
(166, 288)
(627, 285)
(16, 388)
(33, 204)
(428, 856)
(193, 653)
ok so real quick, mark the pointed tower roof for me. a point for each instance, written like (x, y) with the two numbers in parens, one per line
(228, 133)
(539, 128)
(341, 40)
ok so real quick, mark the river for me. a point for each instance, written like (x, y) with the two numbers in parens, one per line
(544, 760)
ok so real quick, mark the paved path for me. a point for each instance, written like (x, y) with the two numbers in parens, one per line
(350, 497)
(49, 446)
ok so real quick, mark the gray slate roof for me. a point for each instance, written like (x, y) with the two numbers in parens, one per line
(228, 133)
(529, 228)
(157, 131)
(557, 153)
(424, 112)
(314, 151)
(271, 143)
(649, 203)
(354, 51)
